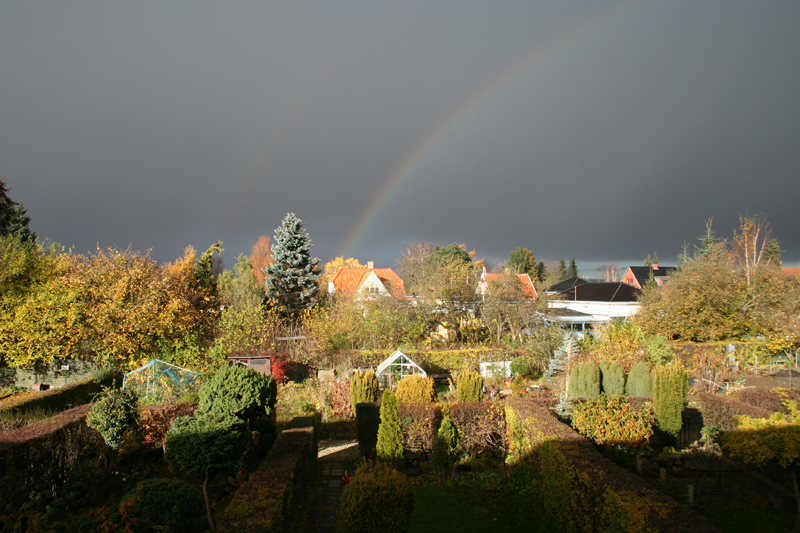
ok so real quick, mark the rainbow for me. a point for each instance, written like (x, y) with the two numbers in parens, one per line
(469, 107)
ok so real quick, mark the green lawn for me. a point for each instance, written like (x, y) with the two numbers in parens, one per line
(445, 508)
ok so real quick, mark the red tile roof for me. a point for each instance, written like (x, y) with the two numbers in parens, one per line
(525, 279)
(791, 271)
(349, 280)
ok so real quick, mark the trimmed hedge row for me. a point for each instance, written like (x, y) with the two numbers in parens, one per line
(718, 411)
(579, 487)
(270, 499)
(420, 423)
(60, 399)
(39, 457)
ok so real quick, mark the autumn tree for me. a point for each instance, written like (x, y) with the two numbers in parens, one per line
(749, 244)
(413, 265)
(261, 258)
(522, 261)
(611, 272)
(292, 278)
(506, 306)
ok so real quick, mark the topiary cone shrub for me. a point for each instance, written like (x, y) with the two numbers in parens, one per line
(378, 498)
(363, 388)
(389, 448)
(612, 375)
(584, 381)
(416, 389)
(445, 447)
(670, 389)
(469, 387)
(640, 381)
(112, 415)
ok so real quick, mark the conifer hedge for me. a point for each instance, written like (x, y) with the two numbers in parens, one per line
(584, 381)
(613, 377)
(416, 389)
(670, 389)
(363, 388)
(469, 387)
(389, 448)
(640, 381)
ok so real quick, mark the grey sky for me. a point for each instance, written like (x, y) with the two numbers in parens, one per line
(599, 130)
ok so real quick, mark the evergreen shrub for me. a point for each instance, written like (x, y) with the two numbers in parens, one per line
(445, 446)
(520, 366)
(389, 448)
(377, 498)
(239, 391)
(113, 414)
(670, 389)
(363, 388)
(584, 381)
(613, 377)
(640, 381)
(416, 389)
(469, 387)
(368, 420)
(170, 503)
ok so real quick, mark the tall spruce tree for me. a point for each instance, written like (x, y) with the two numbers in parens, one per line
(572, 271)
(14, 218)
(292, 278)
(562, 269)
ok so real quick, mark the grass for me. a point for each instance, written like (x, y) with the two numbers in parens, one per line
(462, 506)
(743, 513)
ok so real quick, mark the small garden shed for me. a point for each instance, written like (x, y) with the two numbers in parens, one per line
(162, 379)
(396, 367)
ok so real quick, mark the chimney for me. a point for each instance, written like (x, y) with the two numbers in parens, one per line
(370, 265)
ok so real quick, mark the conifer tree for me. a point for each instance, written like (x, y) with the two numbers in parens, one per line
(562, 269)
(572, 271)
(671, 387)
(469, 386)
(292, 278)
(363, 388)
(14, 219)
(389, 448)
(640, 380)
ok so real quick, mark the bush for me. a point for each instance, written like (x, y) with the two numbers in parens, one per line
(156, 419)
(584, 381)
(764, 399)
(612, 420)
(363, 388)
(469, 387)
(521, 366)
(377, 498)
(420, 421)
(670, 389)
(481, 426)
(389, 447)
(114, 413)
(613, 377)
(445, 445)
(239, 391)
(719, 411)
(171, 503)
(640, 381)
(367, 422)
(340, 399)
(415, 389)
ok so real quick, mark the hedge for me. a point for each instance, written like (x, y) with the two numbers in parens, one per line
(581, 489)
(718, 411)
(60, 399)
(271, 497)
(420, 424)
(368, 419)
(38, 457)
(481, 425)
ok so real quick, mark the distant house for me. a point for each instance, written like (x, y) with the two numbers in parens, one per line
(524, 279)
(791, 271)
(565, 285)
(595, 302)
(637, 276)
(367, 282)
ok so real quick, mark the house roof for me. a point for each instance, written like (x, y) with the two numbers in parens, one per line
(791, 271)
(642, 273)
(602, 291)
(350, 280)
(525, 279)
(566, 284)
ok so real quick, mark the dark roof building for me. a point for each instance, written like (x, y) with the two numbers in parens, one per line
(566, 284)
(602, 291)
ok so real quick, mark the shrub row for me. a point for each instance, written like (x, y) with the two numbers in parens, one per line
(579, 487)
(718, 411)
(480, 425)
(269, 500)
(39, 457)
(60, 399)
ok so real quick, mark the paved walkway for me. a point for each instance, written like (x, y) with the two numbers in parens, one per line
(322, 514)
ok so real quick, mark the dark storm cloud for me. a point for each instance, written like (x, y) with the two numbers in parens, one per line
(621, 128)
